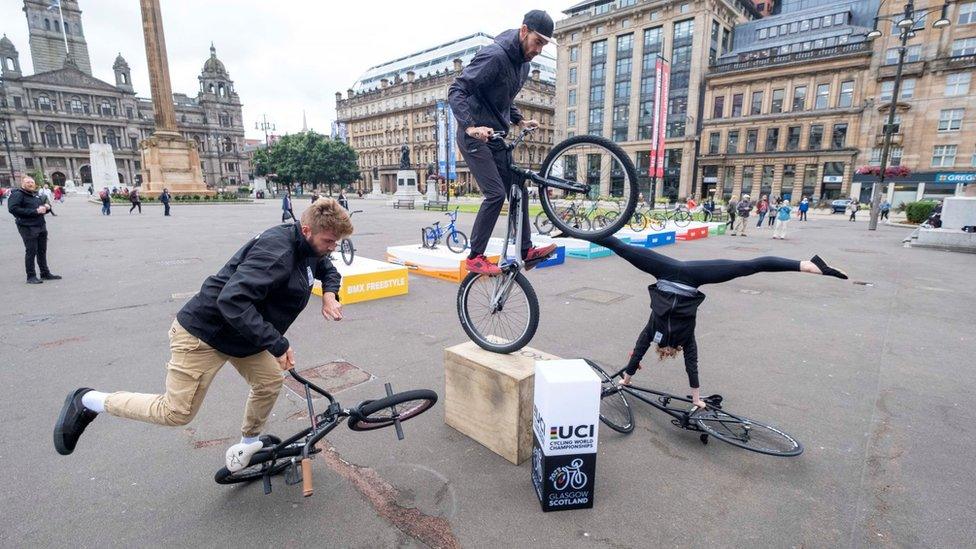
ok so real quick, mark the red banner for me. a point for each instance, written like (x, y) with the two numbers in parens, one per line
(663, 72)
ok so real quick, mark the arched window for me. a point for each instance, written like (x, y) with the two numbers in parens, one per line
(105, 108)
(124, 78)
(210, 88)
(51, 136)
(10, 63)
(76, 106)
(111, 138)
(228, 145)
(220, 89)
(81, 138)
(47, 24)
(58, 179)
(67, 29)
(44, 103)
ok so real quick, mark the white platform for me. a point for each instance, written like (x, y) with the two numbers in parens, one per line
(439, 262)
(367, 279)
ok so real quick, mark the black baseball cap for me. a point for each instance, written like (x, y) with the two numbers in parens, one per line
(540, 22)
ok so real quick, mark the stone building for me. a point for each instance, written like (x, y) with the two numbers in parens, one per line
(49, 118)
(935, 124)
(784, 108)
(396, 102)
(606, 75)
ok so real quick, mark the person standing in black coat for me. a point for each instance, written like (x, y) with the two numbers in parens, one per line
(164, 198)
(29, 209)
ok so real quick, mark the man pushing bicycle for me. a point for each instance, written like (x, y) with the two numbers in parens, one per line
(482, 100)
(239, 316)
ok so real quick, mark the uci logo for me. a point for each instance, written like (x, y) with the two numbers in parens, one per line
(569, 431)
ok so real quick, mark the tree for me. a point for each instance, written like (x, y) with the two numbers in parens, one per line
(308, 157)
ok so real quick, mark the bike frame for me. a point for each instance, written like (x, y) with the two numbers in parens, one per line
(680, 415)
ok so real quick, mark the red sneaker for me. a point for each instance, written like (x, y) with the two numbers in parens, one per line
(537, 255)
(481, 265)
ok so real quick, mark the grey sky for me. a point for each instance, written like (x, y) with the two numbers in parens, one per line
(284, 56)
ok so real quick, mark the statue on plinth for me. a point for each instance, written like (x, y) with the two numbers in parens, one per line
(404, 156)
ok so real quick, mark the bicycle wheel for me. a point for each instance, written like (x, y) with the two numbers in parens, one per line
(376, 414)
(457, 242)
(580, 222)
(682, 218)
(615, 411)
(542, 223)
(746, 433)
(429, 237)
(657, 221)
(260, 461)
(604, 168)
(638, 222)
(506, 326)
(348, 252)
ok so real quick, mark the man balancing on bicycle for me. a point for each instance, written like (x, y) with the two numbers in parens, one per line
(675, 299)
(239, 315)
(482, 100)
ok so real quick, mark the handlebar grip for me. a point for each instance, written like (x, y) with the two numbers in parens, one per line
(306, 477)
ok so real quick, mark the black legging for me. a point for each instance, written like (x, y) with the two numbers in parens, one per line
(695, 273)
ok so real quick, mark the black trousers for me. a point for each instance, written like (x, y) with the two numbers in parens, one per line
(286, 214)
(136, 205)
(166, 209)
(731, 221)
(491, 168)
(696, 273)
(35, 247)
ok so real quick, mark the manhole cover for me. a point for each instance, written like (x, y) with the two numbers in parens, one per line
(176, 262)
(331, 376)
(596, 295)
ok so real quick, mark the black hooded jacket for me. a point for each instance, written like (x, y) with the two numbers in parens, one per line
(23, 205)
(247, 306)
(484, 93)
(673, 316)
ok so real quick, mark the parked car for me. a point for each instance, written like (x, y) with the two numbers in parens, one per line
(839, 206)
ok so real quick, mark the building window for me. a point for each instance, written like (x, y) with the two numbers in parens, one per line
(647, 86)
(718, 106)
(963, 46)
(950, 120)
(598, 49)
(596, 120)
(596, 95)
(573, 54)
(777, 103)
(51, 136)
(839, 136)
(752, 139)
(737, 105)
(713, 139)
(625, 43)
(943, 156)
(772, 139)
(967, 13)
(571, 98)
(623, 68)
(573, 75)
(44, 103)
(766, 182)
(732, 143)
(684, 29)
(793, 138)
(956, 83)
(756, 107)
(816, 137)
(652, 40)
(621, 91)
(789, 179)
(799, 98)
(644, 127)
(597, 73)
(846, 97)
(571, 118)
(747, 174)
(823, 95)
(907, 89)
(76, 106)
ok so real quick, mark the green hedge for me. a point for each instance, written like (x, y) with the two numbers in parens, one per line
(918, 212)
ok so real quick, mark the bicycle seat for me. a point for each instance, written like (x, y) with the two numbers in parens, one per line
(437, 223)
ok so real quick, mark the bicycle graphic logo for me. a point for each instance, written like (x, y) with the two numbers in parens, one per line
(569, 476)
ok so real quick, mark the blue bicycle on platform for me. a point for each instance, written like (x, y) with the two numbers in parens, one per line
(457, 241)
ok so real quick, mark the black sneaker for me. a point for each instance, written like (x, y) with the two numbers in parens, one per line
(34, 280)
(50, 276)
(72, 422)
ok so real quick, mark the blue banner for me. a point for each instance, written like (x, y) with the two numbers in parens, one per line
(441, 139)
(451, 145)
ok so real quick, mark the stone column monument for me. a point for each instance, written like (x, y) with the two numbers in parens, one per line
(168, 160)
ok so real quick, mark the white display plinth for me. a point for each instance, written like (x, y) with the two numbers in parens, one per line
(439, 262)
(958, 212)
(565, 426)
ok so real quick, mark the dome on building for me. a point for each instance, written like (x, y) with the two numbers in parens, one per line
(214, 65)
(6, 44)
(120, 63)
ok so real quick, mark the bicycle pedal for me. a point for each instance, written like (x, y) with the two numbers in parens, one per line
(293, 473)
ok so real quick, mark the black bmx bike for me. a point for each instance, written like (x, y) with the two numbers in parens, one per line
(587, 173)
(346, 249)
(713, 420)
(293, 456)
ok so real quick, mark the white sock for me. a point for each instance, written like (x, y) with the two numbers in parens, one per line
(249, 440)
(94, 401)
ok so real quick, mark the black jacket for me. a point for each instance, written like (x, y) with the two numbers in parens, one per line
(674, 316)
(247, 306)
(164, 198)
(23, 205)
(483, 94)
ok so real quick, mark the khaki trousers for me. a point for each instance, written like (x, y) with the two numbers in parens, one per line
(192, 366)
(741, 223)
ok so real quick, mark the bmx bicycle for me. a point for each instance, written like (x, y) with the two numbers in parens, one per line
(346, 249)
(457, 241)
(713, 420)
(293, 456)
(501, 313)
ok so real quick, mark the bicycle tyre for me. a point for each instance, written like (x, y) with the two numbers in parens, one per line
(253, 472)
(429, 237)
(581, 222)
(656, 222)
(489, 341)
(457, 242)
(721, 425)
(369, 415)
(682, 218)
(625, 163)
(542, 223)
(615, 411)
(638, 222)
(347, 251)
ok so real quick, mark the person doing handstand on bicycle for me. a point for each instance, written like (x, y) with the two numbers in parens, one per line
(675, 299)
(482, 100)
(239, 316)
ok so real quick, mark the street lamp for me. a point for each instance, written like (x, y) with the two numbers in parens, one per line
(908, 22)
(215, 142)
(265, 125)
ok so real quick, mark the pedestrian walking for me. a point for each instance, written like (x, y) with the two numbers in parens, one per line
(343, 201)
(709, 208)
(165, 198)
(804, 206)
(135, 200)
(743, 209)
(48, 197)
(762, 208)
(885, 210)
(59, 194)
(853, 206)
(106, 198)
(782, 219)
(91, 190)
(29, 209)
(772, 211)
(286, 210)
(730, 209)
